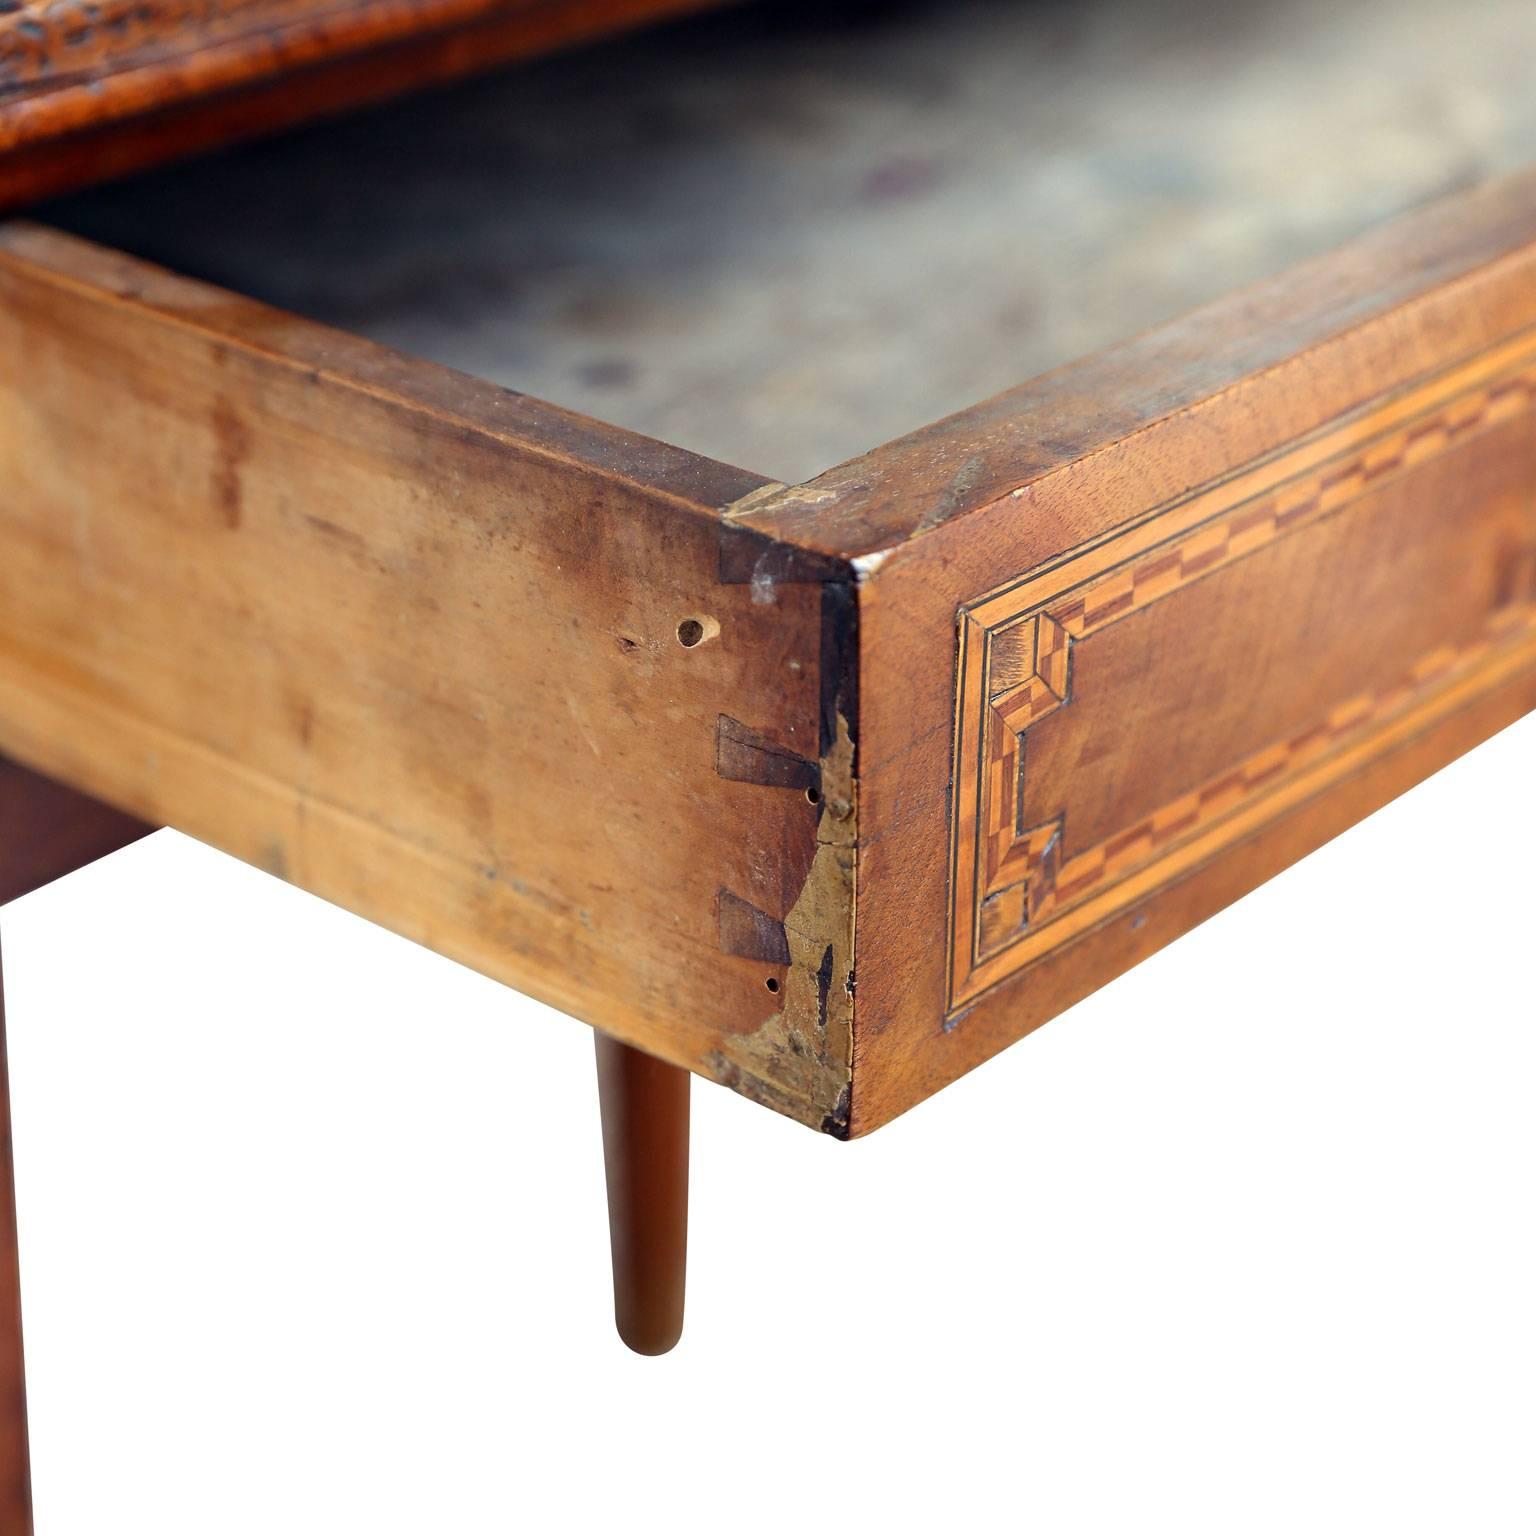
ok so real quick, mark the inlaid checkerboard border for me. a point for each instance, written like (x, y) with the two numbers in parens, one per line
(1014, 896)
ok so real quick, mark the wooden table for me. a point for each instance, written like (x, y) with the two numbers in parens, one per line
(826, 786)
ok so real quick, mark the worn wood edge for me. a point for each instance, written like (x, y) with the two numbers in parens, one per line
(799, 1061)
(802, 534)
(158, 76)
(1058, 462)
(809, 1046)
(1462, 264)
(696, 485)
(1075, 972)
(48, 43)
(72, 149)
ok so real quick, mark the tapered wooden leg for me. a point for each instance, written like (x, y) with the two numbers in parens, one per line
(15, 1474)
(645, 1150)
(46, 831)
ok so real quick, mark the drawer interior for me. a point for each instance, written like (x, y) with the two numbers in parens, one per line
(780, 235)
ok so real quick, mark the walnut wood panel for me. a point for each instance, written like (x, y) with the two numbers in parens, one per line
(92, 91)
(1139, 634)
(449, 657)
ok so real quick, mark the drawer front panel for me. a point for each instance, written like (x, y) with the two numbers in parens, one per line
(1139, 705)
(1139, 633)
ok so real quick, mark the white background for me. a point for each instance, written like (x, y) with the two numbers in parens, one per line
(313, 1231)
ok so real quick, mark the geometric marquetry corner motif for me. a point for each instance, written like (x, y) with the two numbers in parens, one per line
(1016, 892)
(1028, 676)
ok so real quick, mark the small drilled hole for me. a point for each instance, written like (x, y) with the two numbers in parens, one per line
(773, 983)
(690, 632)
(813, 794)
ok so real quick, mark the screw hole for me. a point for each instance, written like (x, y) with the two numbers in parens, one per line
(813, 795)
(772, 983)
(690, 632)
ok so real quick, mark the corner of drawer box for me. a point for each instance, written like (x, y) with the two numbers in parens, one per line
(800, 1060)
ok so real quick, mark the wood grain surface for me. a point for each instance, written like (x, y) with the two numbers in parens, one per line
(1016, 699)
(1136, 635)
(449, 657)
(90, 90)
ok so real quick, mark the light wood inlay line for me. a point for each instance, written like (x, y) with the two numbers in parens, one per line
(1016, 891)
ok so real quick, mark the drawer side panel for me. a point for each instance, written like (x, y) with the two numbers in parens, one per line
(445, 656)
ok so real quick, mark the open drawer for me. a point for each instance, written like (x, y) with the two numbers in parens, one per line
(824, 783)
